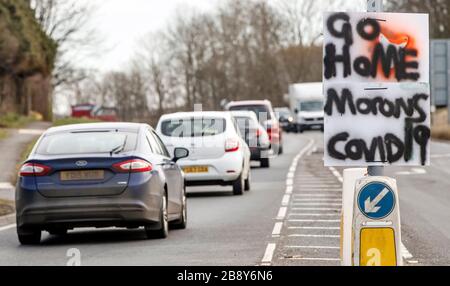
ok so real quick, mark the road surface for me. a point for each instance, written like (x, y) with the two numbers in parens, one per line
(264, 226)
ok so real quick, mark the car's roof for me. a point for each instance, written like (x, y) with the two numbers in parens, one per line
(244, 113)
(97, 126)
(249, 102)
(221, 114)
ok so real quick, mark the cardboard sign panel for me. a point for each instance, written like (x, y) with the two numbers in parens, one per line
(376, 47)
(377, 124)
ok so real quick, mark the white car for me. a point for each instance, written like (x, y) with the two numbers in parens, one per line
(218, 155)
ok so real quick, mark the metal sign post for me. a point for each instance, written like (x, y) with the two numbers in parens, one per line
(375, 6)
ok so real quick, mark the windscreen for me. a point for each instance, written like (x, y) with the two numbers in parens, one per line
(87, 143)
(311, 106)
(261, 111)
(193, 127)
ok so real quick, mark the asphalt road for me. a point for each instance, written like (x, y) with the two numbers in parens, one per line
(228, 230)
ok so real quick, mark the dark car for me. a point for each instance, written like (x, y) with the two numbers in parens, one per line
(264, 111)
(285, 118)
(254, 135)
(100, 175)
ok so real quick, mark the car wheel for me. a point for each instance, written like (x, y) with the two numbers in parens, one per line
(182, 222)
(238, 186)
(163, 231)
(247, 182)
(265, 163)
(29, 237)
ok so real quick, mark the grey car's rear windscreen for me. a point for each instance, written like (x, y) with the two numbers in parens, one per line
(87, 142)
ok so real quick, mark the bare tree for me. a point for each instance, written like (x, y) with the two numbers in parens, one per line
(67, 22)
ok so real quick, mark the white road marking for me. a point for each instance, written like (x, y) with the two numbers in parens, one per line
(337, 174)
(314, 220)
(315, 235)
(316, 204)
(414, 171)
(311, 214)
(314, 227)
(282, 213)
(286, 199)
(289, 190)
(312, 247)
(6, 185)
(438, 156)
(315, 209)
(315, 259)
(270, 249)
(317, 195)
(290, 175)
(31, 131)
(317, 200)
(268, 255)
(277, 228)
(405, 252)
(7, 227)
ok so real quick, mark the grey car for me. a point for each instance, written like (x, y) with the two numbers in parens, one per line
(100, 175)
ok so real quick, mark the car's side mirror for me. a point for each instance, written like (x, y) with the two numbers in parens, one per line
(180, 153)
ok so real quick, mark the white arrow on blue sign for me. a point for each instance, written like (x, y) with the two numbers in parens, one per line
(376, 200)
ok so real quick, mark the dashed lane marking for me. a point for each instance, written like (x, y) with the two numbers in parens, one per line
(286, 199)
(277, 228)
(282, 213)
(268, 254)
(270, 249)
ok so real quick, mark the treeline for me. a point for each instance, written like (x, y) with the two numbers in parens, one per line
(26, 61)
(242, 50)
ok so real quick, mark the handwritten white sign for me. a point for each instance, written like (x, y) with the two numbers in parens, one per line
(376, 88)
(377, 124)
(376, 47)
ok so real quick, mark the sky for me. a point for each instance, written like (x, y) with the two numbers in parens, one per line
(121, 24)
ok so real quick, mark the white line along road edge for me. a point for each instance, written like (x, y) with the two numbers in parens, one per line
(270, 249)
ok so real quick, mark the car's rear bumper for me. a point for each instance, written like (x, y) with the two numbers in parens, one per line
(139, 205)
(257, 153)
(224, 169)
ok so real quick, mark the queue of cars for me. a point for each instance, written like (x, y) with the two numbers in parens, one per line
(130, 175)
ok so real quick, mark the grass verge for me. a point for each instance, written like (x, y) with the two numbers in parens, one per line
(3, 133)
(6, 207)
(441, 132)
(71, 120)
(14, 120)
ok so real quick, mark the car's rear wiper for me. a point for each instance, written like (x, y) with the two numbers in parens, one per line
(119, 148)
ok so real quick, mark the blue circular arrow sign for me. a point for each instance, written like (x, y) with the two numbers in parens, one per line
(376, 200)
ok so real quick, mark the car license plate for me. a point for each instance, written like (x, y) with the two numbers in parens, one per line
(82, 175)
(196, 169)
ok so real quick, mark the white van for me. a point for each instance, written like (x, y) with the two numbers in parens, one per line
(307, 103)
